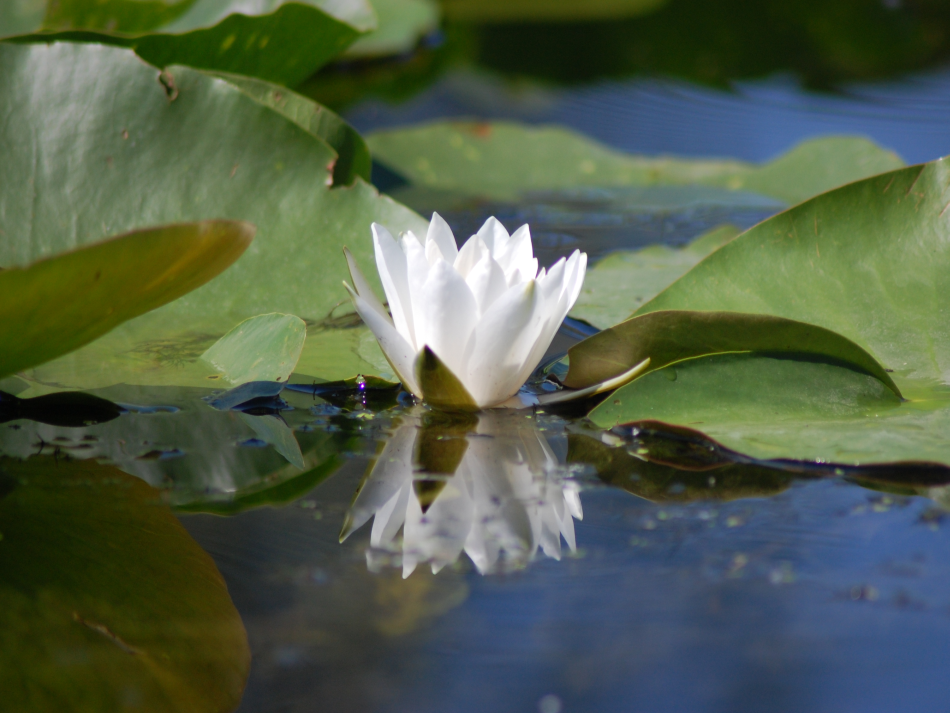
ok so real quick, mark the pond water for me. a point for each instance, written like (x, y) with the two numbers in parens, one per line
(385, 558)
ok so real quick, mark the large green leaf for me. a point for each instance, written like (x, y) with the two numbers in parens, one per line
(132, 156)
(352, 154)
(262, 348)
(280, 40)
(623, 281)
(503, 160)
(106, 599)
(868, 261)
(60, 303)
(546, 10)
(673, 336)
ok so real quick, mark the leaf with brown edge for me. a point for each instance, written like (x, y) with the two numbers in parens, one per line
(58, 304)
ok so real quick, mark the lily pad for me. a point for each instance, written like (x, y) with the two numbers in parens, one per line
(135, 155)
(868, 261)
(150, 621)
(400, 24)
(623, 281)
(503, 160)
(60, 303)
(278, 40)
(262, 348)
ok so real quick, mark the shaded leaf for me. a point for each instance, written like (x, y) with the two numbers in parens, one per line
(547, 11)
(61, 303)
(72, 409)
(276, 40)
(262, 348)
(673, 336)
(400, 26)
(150, 621)
(504, 160)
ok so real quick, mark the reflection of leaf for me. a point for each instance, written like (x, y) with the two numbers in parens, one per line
(273, 431)
(97, 572)
(276, 40)
(547, 10)
(61, 303)
(262, 348)
(621, 282)
(868, 261)
(501, 160)
(130, 157)
(674, 336)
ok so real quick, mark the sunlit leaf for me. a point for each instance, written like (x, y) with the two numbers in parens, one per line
(130, 156)
(61, 303)
(868, 261)
(620, 283)
(106, 599)
(503, 160)
(262, 348)
(278, 40)
(400, 25)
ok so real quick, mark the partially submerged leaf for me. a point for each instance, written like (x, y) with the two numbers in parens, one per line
(503, 160)
(150, 621)
(279, 40)
(262, 348)
(868, 261)
(673, 336)
(61, 303)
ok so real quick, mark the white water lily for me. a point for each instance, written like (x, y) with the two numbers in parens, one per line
(484, 311)
(505, 499)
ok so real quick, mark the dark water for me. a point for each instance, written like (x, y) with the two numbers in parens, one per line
(709, 587)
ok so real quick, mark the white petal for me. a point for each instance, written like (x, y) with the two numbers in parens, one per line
(417, 270)
(487, 282)
(362, 287)
(445, 316)
(433, 253)
(441, 234)
(392, 514)
(494, 235)
(470, 255)
(393, 273)
(516, 255)
(399, 353)
(503, 338)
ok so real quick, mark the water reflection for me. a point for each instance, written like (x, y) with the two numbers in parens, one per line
(488, 485)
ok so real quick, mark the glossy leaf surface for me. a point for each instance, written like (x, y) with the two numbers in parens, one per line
(61, 303)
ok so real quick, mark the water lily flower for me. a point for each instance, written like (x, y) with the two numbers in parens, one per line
(468, 326)
(503, 498)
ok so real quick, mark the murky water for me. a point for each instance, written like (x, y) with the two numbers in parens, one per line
(386, 558)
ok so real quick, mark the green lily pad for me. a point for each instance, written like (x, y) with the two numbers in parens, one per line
(278, 40)
(60, 303)
(90, 626)
(547, 11)
(868, 261)
(400, 26)
(504, 160)
(262, 348)
(623, 281)
(133, 156)
(353, 157)
(672, 336)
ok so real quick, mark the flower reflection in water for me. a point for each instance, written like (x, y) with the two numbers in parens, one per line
(487, 484)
